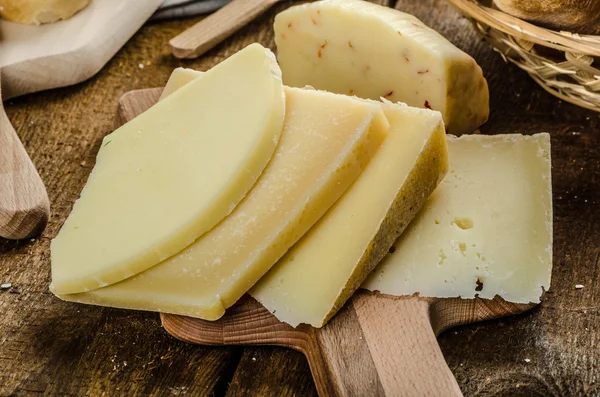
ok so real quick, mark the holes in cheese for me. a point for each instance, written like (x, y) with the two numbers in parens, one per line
(171, 174)
(485, 231)
(316, 276)
(358, 48)
(326, 142)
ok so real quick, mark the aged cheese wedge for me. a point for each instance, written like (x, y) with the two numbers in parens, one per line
(486, 231)
(358, 48)
(171, 174)
(327, 140)
(316, 277)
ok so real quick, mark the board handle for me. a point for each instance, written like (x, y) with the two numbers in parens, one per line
(375, 346)
(24, 204)
(215, 28)
(400, 356)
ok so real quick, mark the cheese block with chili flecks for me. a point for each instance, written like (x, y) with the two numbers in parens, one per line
(358, 48)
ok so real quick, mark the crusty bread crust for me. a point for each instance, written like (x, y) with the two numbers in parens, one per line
(37, 12)
(579, 16)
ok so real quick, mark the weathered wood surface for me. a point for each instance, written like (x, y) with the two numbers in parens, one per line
(58, 348)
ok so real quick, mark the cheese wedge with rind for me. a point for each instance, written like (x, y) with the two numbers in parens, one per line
(320, 273)
(327, 140)
(358, 48)
(486, 230)
(171, 174)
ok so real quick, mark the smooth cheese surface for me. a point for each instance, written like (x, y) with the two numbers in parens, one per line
(316, 277)
(358, 48)
(327, 140)
(172, 173)
(179, 77)
(486, 231)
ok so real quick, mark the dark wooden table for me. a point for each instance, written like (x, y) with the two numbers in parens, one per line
(56, 348)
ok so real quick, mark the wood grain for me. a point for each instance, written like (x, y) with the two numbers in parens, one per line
(24, 204)
(377, 345)
(212, 30)
(52, 347)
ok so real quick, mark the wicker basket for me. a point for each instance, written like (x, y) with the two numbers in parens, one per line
(564, 64)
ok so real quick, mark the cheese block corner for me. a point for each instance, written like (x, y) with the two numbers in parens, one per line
(485, 232)
(358, 48)
(168, 176)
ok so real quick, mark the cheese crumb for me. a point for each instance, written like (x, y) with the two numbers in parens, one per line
(578, 286)
(527, 360)
(253, 358)
(5, 286)
(141, 65)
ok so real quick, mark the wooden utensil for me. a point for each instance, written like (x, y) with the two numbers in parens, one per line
(36, 58)
(24, 204)
(377, 345)
(215, 28)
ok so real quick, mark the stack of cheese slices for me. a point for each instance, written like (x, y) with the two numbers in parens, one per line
(234, 182)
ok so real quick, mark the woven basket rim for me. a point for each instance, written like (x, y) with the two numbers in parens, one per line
(563, 41)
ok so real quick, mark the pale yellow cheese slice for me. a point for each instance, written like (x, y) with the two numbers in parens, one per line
(171, 174)
(358, 48)
(316, 277)
(327, 140)
(487, 229)
(179, 77)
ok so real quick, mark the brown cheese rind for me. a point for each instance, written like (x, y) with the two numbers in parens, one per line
(425, 176)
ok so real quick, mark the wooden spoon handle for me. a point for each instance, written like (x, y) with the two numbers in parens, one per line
(215, 28)
(24, 204)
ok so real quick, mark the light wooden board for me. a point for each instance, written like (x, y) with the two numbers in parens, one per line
(36, 58)
(378, 345)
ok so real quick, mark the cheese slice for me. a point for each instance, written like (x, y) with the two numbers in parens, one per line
(171, 174)
(486, 231)
(327, 140)
(316, 277)
(179, 77)
(358, 48)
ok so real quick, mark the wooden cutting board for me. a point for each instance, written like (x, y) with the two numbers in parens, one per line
(36, 58)
(377, 345)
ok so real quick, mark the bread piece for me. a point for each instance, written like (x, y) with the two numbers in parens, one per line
(579, 16)
(37, 12)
